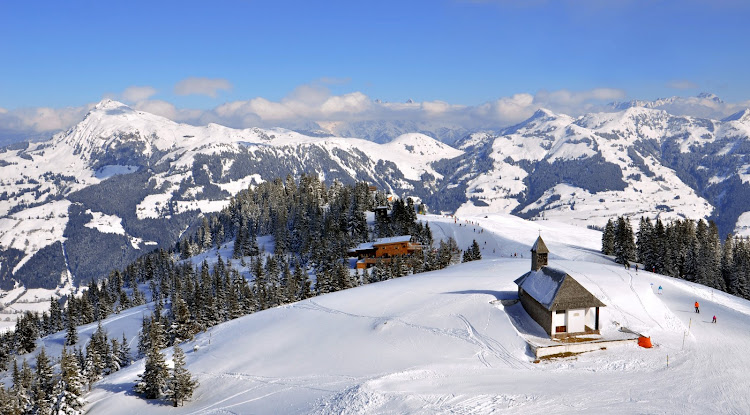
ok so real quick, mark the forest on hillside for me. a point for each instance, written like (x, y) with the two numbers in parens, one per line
(312, 225)
(685, 249)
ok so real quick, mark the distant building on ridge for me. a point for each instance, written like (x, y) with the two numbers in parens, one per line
(383, 249)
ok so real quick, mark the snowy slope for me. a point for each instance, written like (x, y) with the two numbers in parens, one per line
(433, 343)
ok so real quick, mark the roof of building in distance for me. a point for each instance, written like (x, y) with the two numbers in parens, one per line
(392, 240)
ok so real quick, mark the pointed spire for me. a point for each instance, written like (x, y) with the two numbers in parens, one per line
(539, 253)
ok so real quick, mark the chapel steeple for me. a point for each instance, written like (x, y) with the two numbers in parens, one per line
(539, 254)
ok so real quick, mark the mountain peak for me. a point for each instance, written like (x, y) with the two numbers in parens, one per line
(108, 104)
(542, 112)
(712, 97)
(742, 116)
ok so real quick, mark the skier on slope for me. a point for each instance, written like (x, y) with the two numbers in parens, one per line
(714, 320)
(697, 309)
(660, 289)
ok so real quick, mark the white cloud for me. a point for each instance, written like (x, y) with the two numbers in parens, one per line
(313, 105)
(42, 119)
(202, 86)
(138, 93)
(158, 107)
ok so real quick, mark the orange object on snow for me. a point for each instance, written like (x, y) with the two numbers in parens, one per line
(645, 342)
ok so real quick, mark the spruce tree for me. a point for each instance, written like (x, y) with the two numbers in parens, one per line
(123, 354)
(71, 336)
(153, 380)
(625, 250)
(181, 383)
(44, 385)
(608, 238)
(69, 389)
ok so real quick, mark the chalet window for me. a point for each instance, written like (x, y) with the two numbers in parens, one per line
(560, 311)
(560, 329)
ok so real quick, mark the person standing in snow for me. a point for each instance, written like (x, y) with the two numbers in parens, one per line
(660, 289)
(714, 320)
(697, 307)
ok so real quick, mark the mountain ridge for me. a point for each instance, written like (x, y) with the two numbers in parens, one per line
(157, 176)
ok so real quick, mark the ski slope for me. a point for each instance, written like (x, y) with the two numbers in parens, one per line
(434, 343)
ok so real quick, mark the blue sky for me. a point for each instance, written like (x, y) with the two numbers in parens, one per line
(465, 53)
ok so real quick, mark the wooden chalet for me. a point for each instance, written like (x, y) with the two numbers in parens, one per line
(555, 300)
(383, 249)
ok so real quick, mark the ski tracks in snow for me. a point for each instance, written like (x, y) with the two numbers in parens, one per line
(487, 345)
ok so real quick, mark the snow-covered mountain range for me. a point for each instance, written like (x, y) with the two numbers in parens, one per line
(124, 181)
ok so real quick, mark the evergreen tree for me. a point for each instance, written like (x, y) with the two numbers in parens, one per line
(71, 336)
(26, 333)
(181, 383)
(55, 316)
(153, 380)
(22, 387)
(182, 328)
(10, 403)
(608, 238)
(625, 250)
(69, 389)
(123, 354)
(644, 243)
(93, 366)
(473, 253)
(44, 385)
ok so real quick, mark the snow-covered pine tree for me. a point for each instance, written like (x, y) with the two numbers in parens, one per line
(94, 364)
(644, 242)
(608, 238)
(9, 403)
(55, 315)
(44, 384)
(26, 333)
(473, 252)
(123, 355)
(182, 328)
(112, 359)
(71, 335)
(181, 383)
(727, 261)
(625, 250)
(153, 380)
(69, 389)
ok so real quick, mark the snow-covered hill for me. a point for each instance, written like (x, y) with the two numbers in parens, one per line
(434, 343)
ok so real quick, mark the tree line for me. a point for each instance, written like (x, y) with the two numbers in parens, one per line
(685, 249)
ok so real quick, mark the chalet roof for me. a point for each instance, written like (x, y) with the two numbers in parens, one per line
(556, 290)
(365, 246)
(392, 240)
(539, 246)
